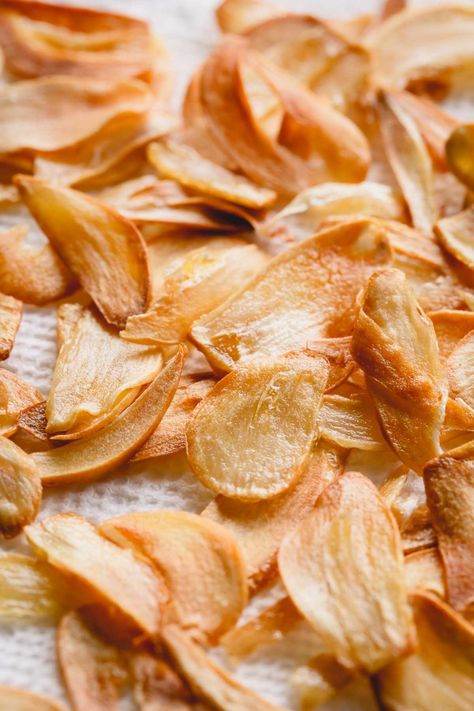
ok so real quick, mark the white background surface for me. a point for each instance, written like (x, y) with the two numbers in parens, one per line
(27, 655)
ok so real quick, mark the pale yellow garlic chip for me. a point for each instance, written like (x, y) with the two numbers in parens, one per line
(156, 687)
(306, 293)
(82, 107)
(395, 345)
(409, 160)
(97, 375)
(350, 422)
(30, 590)
(16, 395)
(194, 285)
(460, 365)
(199, 562)
(237, 16)
(441, 673)
(92, 669)
(424, 571)
(449, 482)
(261, 526)
(455, 233)
(350, 536)
(302, 217)
(20, 489)
(10, 316)
(207, 680)
(115, 576)
(183, 164)
(19, 700)
(251, 436)
(103, 250)
(429, 46)
(35, 276)
(112, 445)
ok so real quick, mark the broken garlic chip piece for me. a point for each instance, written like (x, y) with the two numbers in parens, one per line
(455, 233)
(350, 422)
(16, 395)
(251, 436)
(156, 687)
(319, 679)
(350, 536)
(103, 250)
(19, 700)
(10, 317)
(395, 345)
(237, 16)
(199, 562)
(20, 489)
(30, 590)
(440, 675)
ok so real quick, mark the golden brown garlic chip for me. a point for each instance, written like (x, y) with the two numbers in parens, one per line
(10, 316)
(239, 15)
(251, 436)
(19, 700)
(460, 365)
(206, 679)
(306, 293)
(96, 376)
(350, 536)
(451, 326)
(20, 489)
(350, 422)
(455, 233)
(16, 395)
(156, 687)
(441, 673)
(115, 576)
(424, 572)
(261, 526)
(199, 562)
(449, 482)
(395, 345)
(103, 250)
(92, 669)
(459, 150)
(104, 450)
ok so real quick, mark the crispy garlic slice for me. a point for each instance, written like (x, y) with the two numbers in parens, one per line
(16, 395)
(206, 679)
(459, 147)
(460, 365)
(31, 434)
(350, 536)
(319, 679)
(82, 107)
(199, 561)
(395, 345)
(449, 483)
(10, 316)
(441, 673)
(424, 572)
(350, 422)
(194, 285)
(305, 293)
(451, 326)
(270, 410)
(115, 576)
(112, 445)
(96, 376)
(19, 700)
(156, 687)
(20, 489)
(237, 16)
(35, 276)
(92, 669)
(103, 250)
(454, 234)
(261, 526)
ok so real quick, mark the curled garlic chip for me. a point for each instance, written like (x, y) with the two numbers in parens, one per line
(103, 250)
(156, 687)
(97, 375)
(16, 395)
(350, 422)
(199, 562)
(239, 15)
(10, 317)
(395, 345)
(305, 293)
(454, 234)
(19, 700)
(92, 669)
(116, 442)
(261, 526)
(20, 489)
(350, 536)
(252, 434)
(116, 577)
(441, 673)
(459, 148)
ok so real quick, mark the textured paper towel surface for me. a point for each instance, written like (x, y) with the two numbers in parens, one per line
(27, 654)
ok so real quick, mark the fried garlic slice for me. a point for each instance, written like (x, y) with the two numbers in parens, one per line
(451, 326)
(16, 395)
(350, 536)
(92, 669)
(424, 571)
(199, 562)
(305, 293)
(303, 216)
(182, 163)
(96, 376)
(441, 673)
(34, 276)
(103, 250)
(115, 576)
(10, 316)
(156, 687)
(237, 16)
(395, 345)
(270, 410)
(460, 365)
(350, 422)
(319, 679)
(449, 483)
(19, 700)
(459, 148)
(112, 445)
(260, 527)
(206, 679)
(195, 284)
(20, 489)
(454, 234)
